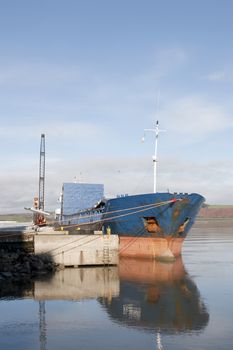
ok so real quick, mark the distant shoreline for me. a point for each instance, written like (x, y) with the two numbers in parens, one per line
(216, 212)
(16, 217)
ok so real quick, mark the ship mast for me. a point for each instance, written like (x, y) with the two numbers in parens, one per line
(156, 130)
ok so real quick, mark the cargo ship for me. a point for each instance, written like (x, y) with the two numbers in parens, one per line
(153, 224)
(149, 225)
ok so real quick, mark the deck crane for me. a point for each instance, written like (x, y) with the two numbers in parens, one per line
(39, 216)
(42, 172)
(38, 203)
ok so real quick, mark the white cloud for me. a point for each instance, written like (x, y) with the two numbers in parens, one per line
(196, 117)
(169, 60)
(37, 75)
(217, 76)
(172, 56)
(68, 130)
(119, 175)
(165, 62)
(211, 179)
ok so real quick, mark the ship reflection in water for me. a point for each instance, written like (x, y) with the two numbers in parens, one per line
(148, 295)
(157, 296)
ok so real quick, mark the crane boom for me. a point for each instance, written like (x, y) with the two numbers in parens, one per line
(42, 172)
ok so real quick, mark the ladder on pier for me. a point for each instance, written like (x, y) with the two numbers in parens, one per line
(106, 250)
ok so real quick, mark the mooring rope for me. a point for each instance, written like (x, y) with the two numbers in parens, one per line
(134, 238)
(113, 211)
(76, 246)
(144, 208)
(149, 206)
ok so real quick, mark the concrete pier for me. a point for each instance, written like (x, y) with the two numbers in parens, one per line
(78, 250)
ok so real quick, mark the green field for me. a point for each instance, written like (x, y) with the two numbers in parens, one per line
(16, 217)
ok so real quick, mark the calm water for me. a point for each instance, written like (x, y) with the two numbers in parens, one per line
(138, 305)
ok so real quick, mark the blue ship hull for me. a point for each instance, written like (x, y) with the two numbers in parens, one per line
(152, 215)
(145, 215)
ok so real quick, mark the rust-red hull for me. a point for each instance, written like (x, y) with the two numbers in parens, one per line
(148, 247)
(148, 271)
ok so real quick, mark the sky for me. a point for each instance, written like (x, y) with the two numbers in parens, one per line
(93, 74)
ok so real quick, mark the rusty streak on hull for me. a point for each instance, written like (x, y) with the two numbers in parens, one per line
(150, 248)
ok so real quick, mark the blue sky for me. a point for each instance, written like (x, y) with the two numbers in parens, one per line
(87, 74)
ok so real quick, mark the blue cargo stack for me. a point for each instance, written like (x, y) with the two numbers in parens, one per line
(79, 196)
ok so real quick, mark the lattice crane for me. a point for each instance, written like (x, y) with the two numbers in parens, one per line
(39, 218)
(42, 172)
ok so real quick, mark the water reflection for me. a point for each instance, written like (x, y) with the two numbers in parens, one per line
(79, 284)
(147, 295)
(157, 296)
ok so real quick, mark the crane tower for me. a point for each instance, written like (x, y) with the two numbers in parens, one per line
(42, 172)
(39, 218)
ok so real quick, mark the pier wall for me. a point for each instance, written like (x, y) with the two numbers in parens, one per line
(78, 250)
